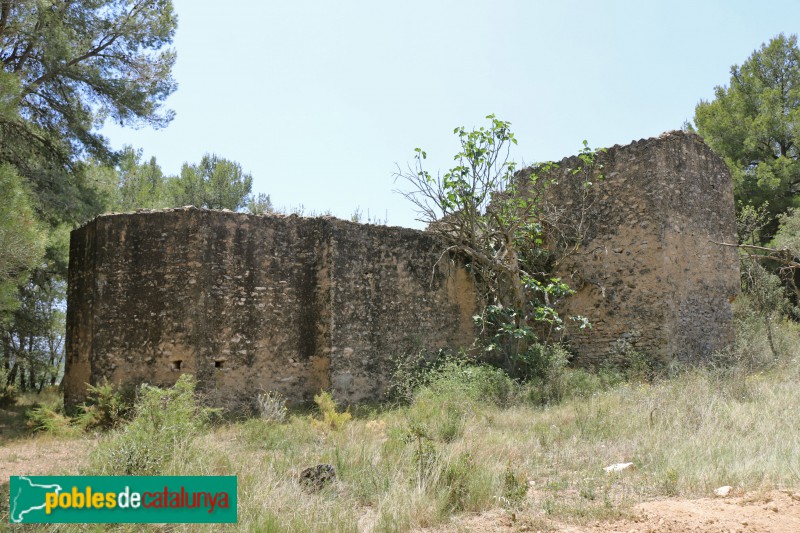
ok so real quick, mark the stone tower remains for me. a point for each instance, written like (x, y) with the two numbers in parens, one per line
(255, 303)
(647, 273)
(252, 303)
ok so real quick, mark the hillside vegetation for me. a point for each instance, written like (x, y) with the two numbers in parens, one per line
(471, 440)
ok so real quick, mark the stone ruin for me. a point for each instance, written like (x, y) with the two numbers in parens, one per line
(296, 305)
(647, 273)
(255, 303)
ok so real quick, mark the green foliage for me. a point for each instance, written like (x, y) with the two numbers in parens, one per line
(75, 64)
(424, 455)
(765, 289)
(8, 392)
(215, 183)
(515, 487)
(33, 346)
(331, 418)
(444, 372)
(159, 440)
(259, 204)
(523, 355)
(132, 183)
(687, 434)
(439, 417)
(104, 409)
(788, 235)
(454, 480)
(767, 295)
(669, 484)
(544, 368)
(750, 221)
(66, 68)
(412, 371)
(761, 343)
(754, 123)
(497, 221)
(451, 392)
(22, 238)
(50, 418)
(460, 378)
(47, 419)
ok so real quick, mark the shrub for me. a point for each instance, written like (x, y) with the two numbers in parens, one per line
(515, 487)
(331, 418)
(462, 378)
(271, 406)
(464, 484)
(413, 371)
(104, 409)
(453, 391)
(160, 436)
(547, 376)
(424, 455)
(441, 418)
(50, 418)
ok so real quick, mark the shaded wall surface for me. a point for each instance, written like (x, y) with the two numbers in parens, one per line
(647, 272)
(250, 303)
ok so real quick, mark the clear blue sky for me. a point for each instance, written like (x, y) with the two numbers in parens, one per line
(320, 100)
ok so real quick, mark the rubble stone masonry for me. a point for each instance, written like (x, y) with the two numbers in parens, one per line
(647, 272)
(255, 303)
(296, 305)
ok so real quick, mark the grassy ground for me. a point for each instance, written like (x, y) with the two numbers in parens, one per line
(468, 443)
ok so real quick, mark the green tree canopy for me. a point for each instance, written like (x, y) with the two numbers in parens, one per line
(754, 123)
(22, 239)
(66, 67)
(131, 183)
(215, 183)
(259, 204)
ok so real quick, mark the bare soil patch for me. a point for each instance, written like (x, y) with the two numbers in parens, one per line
(39, 455)
(43, 455)
(774, 511)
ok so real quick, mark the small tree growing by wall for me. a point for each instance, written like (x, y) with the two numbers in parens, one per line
(502, 225)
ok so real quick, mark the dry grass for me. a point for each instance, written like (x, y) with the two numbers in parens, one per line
(686, 436)
(451, 453)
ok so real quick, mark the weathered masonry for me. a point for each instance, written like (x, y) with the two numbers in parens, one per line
(647, 273)
(250, 303)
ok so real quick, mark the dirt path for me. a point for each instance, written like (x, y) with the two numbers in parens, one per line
(773, 512)
(776, 511)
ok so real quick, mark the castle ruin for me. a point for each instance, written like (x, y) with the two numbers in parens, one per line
(254, 303)
(647, 273)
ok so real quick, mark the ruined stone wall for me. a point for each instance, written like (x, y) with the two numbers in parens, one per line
(647, 275)
(296, 305)
(249, 303)
(391, 295)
